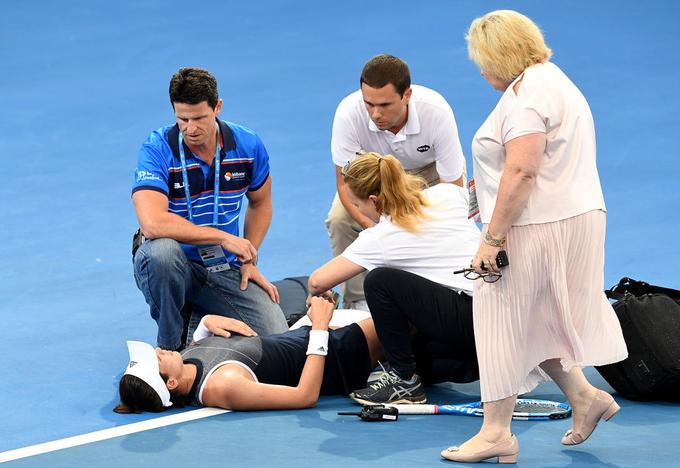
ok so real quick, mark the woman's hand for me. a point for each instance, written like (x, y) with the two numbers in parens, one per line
(484, 260)
(320, 312)
(328, 295)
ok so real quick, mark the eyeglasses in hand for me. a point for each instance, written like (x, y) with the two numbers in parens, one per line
(471, 274)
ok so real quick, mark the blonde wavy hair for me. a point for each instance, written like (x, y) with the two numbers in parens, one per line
(503, 43)
(398, 194)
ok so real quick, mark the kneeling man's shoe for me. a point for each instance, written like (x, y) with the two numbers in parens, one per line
(391, 389)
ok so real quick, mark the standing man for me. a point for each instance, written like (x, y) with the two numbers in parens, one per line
(389, 116)
(189, 185)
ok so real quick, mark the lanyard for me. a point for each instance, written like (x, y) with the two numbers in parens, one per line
(185, 178)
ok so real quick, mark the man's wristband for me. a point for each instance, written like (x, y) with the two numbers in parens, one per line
(492, 241)
(318, 342)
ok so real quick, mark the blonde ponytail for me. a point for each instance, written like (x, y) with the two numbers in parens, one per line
(398, 194)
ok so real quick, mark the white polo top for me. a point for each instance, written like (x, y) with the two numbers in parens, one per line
(445, 242)
(430, 134)
(567, 183)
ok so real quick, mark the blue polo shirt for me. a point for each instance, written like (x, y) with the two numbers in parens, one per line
(244, 166)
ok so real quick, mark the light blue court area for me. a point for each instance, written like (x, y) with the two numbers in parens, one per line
(82, 83)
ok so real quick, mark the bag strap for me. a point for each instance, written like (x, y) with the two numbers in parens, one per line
(301, 280)
(638, 288)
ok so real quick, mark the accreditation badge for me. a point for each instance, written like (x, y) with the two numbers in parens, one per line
(213, 258)
(473, 210)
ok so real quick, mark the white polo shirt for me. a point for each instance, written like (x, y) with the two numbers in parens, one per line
(430, 134)
(445, 242)
(567, 183)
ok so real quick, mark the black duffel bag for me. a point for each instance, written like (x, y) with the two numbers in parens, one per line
(650, 320)
(293, 295)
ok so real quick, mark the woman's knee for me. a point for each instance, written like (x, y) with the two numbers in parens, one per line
(379, 278)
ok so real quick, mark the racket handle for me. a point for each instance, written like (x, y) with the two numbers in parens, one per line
(416, 409)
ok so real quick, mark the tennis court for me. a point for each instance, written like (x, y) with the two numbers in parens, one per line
(84, 82)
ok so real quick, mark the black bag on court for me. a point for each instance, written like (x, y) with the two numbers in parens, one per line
(293, 297)
(650, 320)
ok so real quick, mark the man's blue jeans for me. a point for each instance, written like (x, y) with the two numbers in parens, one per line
(169, 280)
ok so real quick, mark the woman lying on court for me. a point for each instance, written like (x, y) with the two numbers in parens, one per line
(235, 369)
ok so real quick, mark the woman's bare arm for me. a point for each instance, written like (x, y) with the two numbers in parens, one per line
(232, 389)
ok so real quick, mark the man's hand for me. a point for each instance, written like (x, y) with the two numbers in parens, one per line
(320, 312)
(242, 248)
(221, 326)
(249, 272)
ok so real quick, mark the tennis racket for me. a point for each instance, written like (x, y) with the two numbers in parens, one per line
(525, 409)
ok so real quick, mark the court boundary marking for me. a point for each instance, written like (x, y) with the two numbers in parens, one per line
(109, 433)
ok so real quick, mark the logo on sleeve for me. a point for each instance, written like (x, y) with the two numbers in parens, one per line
(144, 175)
(424, 148)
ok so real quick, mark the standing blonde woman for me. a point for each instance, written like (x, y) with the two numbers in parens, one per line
(540, 199)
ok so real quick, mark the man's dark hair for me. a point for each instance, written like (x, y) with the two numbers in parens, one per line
(384, 69)
(193, 86)
(137, 396)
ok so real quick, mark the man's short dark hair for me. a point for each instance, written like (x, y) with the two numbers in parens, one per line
(193, 86)
(384, 69)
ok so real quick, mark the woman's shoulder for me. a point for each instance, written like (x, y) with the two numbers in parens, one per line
(223, 385)
(446, 194)
(539, 82)
(542, 89)
(443, 190)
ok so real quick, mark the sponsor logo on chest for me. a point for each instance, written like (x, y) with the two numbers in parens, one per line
(423, 148)
(234, 176)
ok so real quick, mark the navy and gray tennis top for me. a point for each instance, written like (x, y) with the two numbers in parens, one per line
(279, 359)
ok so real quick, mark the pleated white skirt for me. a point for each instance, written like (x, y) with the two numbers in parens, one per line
(548, 304)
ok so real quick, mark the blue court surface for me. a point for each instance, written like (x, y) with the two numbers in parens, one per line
(82, 83)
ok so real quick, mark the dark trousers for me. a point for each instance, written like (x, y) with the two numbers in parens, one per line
(443, 347)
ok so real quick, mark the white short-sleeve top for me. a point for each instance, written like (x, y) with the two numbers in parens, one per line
(430, 134)
(567, 183)
(445, 241)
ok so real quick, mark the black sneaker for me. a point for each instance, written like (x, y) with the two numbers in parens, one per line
(391, 389)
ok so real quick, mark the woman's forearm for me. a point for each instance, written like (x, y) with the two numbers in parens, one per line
(309, 386)
(523, 157)
(513, 194)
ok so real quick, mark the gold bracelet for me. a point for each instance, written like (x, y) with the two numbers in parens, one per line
(493, 242)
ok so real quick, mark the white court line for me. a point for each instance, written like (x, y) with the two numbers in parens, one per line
(109, 433)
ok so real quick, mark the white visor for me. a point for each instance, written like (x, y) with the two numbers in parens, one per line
(144, 364)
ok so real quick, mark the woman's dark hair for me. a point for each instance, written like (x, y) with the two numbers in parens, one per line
(385, 69)
(193, 86)
(137, 396)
